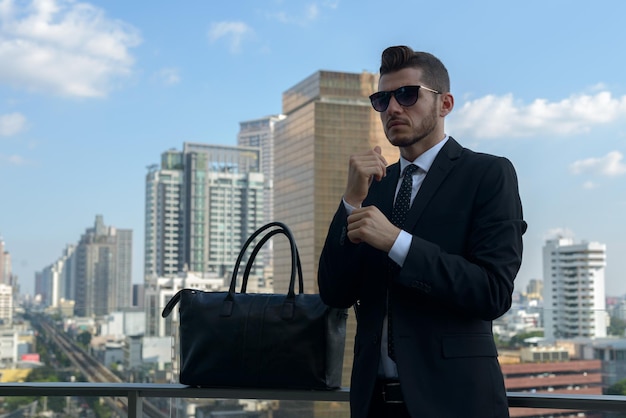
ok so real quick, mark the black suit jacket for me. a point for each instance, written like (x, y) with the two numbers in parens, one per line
(467, 226)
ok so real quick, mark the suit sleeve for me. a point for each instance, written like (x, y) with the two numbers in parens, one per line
(338, 264)
(478, 281)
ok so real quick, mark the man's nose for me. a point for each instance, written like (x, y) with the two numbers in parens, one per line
(394, 106)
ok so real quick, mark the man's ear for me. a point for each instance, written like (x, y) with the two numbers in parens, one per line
(447, 104)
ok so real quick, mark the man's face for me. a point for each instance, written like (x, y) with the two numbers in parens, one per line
(405, 126)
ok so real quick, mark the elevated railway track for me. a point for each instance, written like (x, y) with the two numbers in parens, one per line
(91, 368)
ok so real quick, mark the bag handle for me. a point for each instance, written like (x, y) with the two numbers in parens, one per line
(295, 258)
(257, 248)
(170, 305)
(288, 306)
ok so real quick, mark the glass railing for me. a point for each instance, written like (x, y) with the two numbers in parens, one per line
(174, 400)
(79, 357)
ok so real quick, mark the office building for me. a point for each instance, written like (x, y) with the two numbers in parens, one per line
(260, 133)
(163, 217)
(222, 205)
(6, 304)
(56, 281)
(573, 291)
(534, 289)
(201, 206)
(555, 376)
(328, 118)
(138, 295)
(5, 264)
(103, 270)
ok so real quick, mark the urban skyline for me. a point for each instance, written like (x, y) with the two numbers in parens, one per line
(76, 143)
(322, 106)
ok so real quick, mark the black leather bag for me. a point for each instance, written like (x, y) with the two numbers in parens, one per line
(230, 339)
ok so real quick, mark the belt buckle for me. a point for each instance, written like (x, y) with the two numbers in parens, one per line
(385, 386)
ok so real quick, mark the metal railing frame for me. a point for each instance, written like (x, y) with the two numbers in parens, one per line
(135, 392)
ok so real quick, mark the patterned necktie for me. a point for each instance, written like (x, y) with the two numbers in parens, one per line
(403, 199)
(398, 216)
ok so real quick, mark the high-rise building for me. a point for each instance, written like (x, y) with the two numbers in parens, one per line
(328, 118)
(5, 264)
(6, 304)
(201, 206)
(163, 217)
(573, 290)
(56, 281)
(260, 133)
(222, 205)
(103, 270)
(534, 289)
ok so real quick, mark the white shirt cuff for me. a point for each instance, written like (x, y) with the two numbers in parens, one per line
(348, 206)
(401, 247)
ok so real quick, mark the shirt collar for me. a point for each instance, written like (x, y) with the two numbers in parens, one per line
(424, 161)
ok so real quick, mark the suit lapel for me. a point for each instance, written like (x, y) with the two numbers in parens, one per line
(384, 197)
(444, 162)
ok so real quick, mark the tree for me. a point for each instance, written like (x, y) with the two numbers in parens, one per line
(84, 338)
(518, 339)
(618, 388)
(617, 327)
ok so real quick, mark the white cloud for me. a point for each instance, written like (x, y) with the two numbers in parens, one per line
(168, 76)
(234, 32)
(503, 116)
(311, 13)
(63, 47)
(610, 165)
(14, 160)
(12, 124)
(589, 185)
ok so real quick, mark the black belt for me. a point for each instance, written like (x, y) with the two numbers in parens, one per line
(389, 391)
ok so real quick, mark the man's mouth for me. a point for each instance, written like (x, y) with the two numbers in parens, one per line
(394, 122)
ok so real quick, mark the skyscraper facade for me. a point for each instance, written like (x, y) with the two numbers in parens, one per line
(222, 205)
(103, 270)
(328, 118)
(573, 290)
(5, 264)
(260, 133)
(56, 281)
(201, 206)
(6, 304)
(163, 217)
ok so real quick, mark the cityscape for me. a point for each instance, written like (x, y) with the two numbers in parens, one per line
(203, 202)
(141, 145)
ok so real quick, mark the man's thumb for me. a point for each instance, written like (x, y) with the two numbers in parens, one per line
(377, 149)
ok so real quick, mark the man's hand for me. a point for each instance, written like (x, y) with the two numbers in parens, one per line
(363, 169)
(370, 225)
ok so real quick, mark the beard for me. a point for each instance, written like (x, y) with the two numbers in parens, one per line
(423, 130)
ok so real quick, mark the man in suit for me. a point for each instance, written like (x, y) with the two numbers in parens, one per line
(425, 289)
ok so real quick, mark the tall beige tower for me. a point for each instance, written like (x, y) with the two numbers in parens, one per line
(328, 118)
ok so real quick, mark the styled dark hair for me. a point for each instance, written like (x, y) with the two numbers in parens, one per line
(434, 73)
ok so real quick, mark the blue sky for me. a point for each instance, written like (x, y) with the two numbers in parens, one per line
(91, 93)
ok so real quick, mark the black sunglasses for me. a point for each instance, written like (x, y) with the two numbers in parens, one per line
(405, 96)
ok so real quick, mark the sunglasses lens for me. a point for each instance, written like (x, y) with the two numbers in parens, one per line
(380, 100)
(407, 96)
